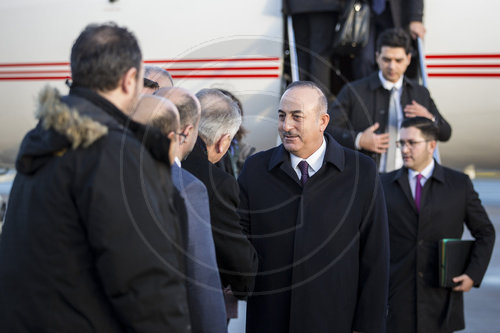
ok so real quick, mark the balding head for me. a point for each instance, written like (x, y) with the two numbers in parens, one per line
(158, 75)
(162, 114)
(187, 104)
(189, 112)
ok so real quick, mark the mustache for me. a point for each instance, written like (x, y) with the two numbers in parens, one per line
(287, 133)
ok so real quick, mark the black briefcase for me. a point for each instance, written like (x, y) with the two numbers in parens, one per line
(353, 28)
(454, 257)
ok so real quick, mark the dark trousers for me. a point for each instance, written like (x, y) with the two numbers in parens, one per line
(314, 38)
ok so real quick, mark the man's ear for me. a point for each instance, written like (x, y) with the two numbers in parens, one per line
(188, 131)
(129, 81)
(223, 144)
(432, 144)
(324, 119)
(408, 58)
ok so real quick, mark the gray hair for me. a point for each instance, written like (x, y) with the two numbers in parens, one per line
(322, 105)
(220, 115)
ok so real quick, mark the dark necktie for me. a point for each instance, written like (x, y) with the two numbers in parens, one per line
(378, 6)
(304, 170)
(418, 191)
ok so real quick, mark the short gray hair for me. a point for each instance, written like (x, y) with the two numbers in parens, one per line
(220, 115)
(322, 105)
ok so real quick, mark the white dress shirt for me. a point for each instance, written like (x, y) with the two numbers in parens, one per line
(178, 162)
(315, 161)
(426, 174)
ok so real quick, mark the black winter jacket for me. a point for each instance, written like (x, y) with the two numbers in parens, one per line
(91, 240)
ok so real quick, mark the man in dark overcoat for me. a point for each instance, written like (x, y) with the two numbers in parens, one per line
(92, 238)
(427, 202)
(315, 213)
(362, 115)
(236, 257)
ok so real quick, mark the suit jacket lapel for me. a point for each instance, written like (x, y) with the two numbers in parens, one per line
(402, 179)
(380, 101)
(436, 177)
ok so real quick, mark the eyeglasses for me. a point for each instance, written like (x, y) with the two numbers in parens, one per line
(410, 143)
(182, 137)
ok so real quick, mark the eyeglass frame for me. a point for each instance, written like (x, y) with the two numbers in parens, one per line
(410, 143)
(182, 138)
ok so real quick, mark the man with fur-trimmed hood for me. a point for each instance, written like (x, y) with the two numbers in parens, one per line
(91, 241)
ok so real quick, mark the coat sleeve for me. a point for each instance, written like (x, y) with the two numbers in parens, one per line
(236, 256)
(373, 283)
(415, 10)
(443, 126)
(482, 230)
(135, 239)
(340, 119)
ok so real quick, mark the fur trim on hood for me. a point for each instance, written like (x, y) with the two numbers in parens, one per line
(81, 131)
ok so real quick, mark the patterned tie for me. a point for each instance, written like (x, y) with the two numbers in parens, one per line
(418, 191)
(378, 6)
(392, 127)
(304, 170)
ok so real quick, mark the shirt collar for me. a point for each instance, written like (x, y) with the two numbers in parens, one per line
(426, 173)
(178, 162)
(389, 85)
(315, 161)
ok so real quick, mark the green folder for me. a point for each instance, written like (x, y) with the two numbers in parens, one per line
(454, 257)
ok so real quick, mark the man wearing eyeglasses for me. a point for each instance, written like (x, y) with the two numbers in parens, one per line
(427, 202)
(368, 113)
(205, 299)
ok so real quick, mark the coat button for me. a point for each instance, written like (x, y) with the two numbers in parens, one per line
(420, 274)
(420, 242)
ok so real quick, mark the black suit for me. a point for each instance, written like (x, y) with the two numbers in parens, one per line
(362, 103)
(236, 257)
(448, 199)
(323, 248)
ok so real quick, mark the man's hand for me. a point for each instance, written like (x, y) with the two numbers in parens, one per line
(414, 109)
(465, 285)
(417, 29)
(371, 141)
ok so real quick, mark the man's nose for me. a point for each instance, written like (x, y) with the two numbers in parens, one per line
(287, 124)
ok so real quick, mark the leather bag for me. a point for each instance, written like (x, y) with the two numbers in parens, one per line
(353, 28)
